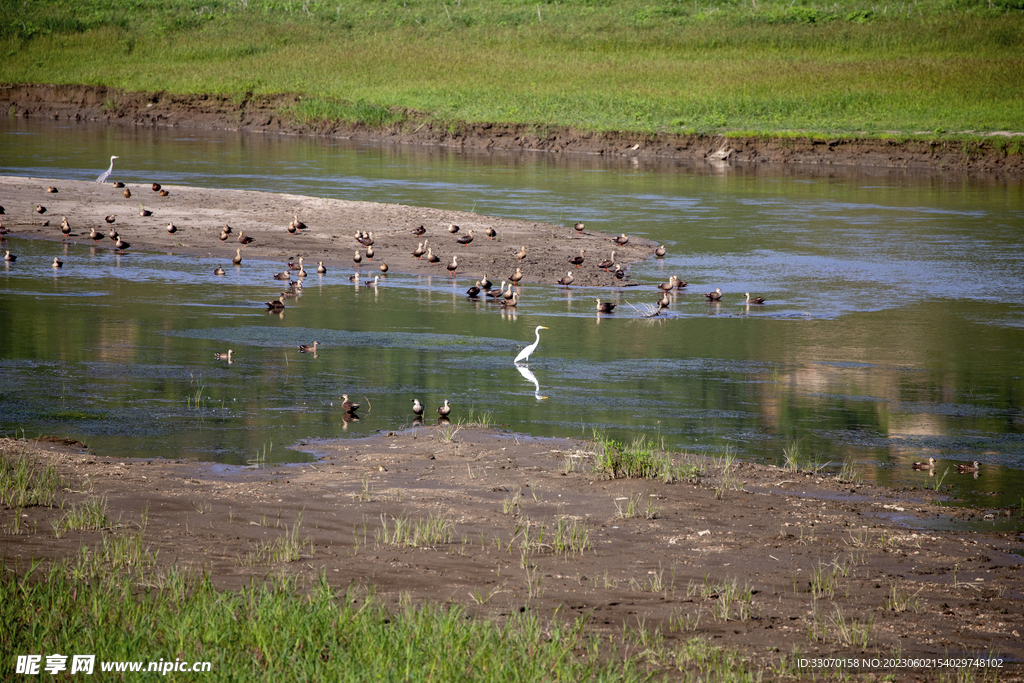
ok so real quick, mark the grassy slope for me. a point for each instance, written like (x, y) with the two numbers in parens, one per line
(768, 66)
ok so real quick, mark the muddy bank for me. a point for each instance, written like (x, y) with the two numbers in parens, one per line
(199, 214)
(756, 559)
(267, 113)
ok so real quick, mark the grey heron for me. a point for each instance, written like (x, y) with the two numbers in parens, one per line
(106, 174)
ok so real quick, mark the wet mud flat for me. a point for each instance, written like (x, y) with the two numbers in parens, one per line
(541, 252)
(770, 563)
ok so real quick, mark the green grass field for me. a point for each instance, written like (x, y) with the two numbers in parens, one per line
(936, 68)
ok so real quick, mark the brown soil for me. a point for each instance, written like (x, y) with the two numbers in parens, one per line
(199, 214)
(927, 594)
(265, 114)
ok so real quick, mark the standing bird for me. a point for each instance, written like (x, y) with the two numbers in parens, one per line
(420, 231)
(452, 228)
(127, 193)
(348, 406)
(419, 251)
(524, 355)
(106, 174)
(755, 300)
(491, 233)
(243, 240)
(417, 407)
(65, 227)
(110, 219)
(444, 410)
(513, 302)
(307, 348)
(172, 228)
(224, 356)
(521, 254)
(224, 234)
(432, 257)
(668, 286)
(156, 187)
(497, 294)
(663, 302)
(112, 235)
(466, 239)
(357, 258)
(57, 263)
(121, 244)
(660, 251)
(474, 291)
(95, 235)
(621, 239)
(369, 251)
(715, 295)
(605, 307)
(296, 224)
(237, 260)
(383, 268)
(516, 276)
(607, 263)
(567, 280)
(453, 266)
(40, 209)
(577, 260)
(579, 227)
(485, 284)
(619, 272)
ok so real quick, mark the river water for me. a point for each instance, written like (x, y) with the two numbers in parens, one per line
(894, 328)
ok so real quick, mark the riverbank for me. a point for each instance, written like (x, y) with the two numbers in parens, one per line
(991, 156)
(199, 214)
(759, 564)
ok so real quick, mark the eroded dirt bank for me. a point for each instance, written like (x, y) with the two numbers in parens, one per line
(264, 114)
(757, 559)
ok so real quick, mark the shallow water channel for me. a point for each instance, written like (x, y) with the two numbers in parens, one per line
(894, 328)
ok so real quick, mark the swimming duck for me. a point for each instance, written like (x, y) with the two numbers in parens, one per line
(513, 302)
(308, 348)
(224, 356)
(218, 271)
(567, 280)
(973, 467)
(485, 284)
(577, 260)
(924, 465)
(496, 294)
(618, 271)
(275, 306)
(320, 268)
(715, 295)
(474, 291)
(57, 263)
(302, 271)
(373, 282)
(605, 307)
(282, 276)
(607, 263)
(347, 405)
(237, 260)
(755, 300)
(660, 251)
(444, 410)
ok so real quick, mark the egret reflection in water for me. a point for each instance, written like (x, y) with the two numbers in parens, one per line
(530, 377)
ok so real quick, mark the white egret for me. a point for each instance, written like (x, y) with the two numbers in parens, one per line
(106, 174)
(524, 355)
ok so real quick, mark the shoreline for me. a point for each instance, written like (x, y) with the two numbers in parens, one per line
(763, 530)
(984, 159)
(199, 214)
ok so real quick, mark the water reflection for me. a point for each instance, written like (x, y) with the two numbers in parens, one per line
(893, 329)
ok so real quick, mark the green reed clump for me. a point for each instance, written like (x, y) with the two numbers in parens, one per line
(23, 482)
(640, 459)
(285, 631)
